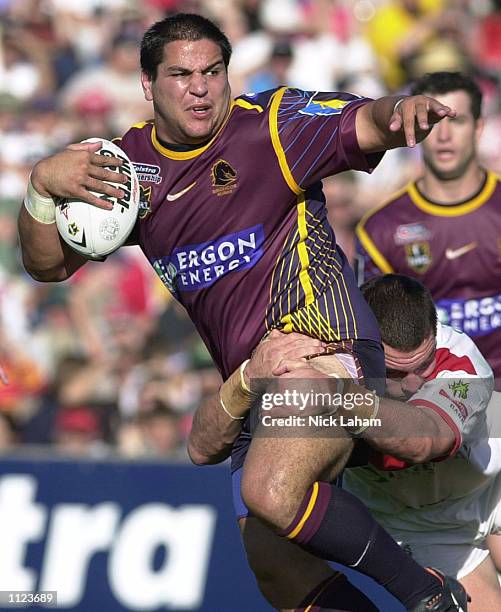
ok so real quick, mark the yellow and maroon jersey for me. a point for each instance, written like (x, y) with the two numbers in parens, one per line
(237, 228)
(454, 250)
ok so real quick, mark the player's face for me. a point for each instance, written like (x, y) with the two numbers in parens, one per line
(191, 93)
(407, 371)
(451, 147)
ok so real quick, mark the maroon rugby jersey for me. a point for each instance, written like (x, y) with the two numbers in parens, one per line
(237, 228)
(455, 250)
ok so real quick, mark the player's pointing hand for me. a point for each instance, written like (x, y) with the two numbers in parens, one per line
(416, 115)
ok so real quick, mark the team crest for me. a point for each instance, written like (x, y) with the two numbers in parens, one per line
(224, 178)
(144, 201)
(418, 256)
(324, 107)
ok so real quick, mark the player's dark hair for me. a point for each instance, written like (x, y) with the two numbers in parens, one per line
(404, 310)
(182, 26)
(447, 82)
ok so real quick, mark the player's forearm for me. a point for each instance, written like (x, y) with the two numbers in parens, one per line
(45, 257)
(406, 431)
(372, 126)
(213, 433)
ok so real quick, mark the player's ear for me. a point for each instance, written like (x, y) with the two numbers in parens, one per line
(146, 83)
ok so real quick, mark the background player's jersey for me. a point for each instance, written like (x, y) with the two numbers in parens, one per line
(445, 491)
(454, 250)
(237, 228)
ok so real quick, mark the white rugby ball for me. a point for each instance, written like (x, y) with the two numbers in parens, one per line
(95, 232)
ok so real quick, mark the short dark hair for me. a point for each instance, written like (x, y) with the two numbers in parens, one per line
(404, 310)
(182, 26)
(446, 82)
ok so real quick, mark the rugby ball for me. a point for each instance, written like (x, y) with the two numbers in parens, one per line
(95, 232)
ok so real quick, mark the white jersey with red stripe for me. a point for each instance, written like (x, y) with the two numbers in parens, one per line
(449, 498)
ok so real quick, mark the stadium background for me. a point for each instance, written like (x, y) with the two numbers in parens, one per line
(97, 498)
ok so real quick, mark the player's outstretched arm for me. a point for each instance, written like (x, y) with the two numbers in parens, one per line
(71, 173)
(396, 121)
(218, 421)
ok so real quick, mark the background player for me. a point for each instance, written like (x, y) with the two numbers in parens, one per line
(264, 223)
(443, 228)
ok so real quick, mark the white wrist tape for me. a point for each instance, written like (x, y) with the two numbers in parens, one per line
(233, 418)
(41, 208)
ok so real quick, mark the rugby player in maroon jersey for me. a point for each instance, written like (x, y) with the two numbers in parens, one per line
(443, 227)
(233, 221)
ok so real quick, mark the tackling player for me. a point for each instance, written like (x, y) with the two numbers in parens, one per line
(443, 228)
(443, 510)
(233, 220)
(433, 474)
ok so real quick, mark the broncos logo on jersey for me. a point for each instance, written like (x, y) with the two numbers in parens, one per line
(223, 174)
(224, 177)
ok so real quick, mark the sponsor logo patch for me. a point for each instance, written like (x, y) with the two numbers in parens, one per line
(324, 107)
(196, 266)
(460, 389)
(172, 197)
(411, 232)
(455, 253)
(148, 173)
(476, 317)
(456, 406)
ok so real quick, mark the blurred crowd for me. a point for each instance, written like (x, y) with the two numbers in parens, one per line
(94, 372)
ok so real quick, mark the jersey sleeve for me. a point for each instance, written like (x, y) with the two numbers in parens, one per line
(461, 400)
(314, 135)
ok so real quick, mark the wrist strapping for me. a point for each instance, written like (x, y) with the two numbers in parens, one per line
(235, 395)
(41, 208)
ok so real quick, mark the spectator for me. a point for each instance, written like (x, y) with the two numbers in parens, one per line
(115, 83)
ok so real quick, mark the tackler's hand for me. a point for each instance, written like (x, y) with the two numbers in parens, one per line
(277, 350)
